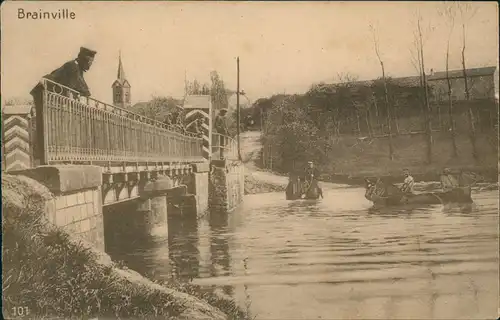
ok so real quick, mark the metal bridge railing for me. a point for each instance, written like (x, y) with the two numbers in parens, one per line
(224, 147)
(76, 129)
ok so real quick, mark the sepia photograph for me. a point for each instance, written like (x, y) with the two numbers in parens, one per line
(250, 160)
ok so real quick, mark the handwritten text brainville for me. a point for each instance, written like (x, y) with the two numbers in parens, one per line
(60, 14)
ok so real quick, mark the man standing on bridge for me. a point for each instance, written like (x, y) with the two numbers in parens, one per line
(221, 128)
(70, 75)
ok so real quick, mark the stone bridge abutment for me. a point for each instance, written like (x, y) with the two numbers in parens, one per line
(80, 193)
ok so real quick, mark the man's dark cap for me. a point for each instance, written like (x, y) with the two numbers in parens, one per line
(87, 52)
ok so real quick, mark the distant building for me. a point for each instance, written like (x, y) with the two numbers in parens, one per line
(481, 83)
(121, 88)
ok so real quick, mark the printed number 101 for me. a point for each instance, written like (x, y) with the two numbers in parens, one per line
(20, 311)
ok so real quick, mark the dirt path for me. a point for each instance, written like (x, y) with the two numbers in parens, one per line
(250, 149)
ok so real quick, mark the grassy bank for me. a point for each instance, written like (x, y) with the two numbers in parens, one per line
(54, 274)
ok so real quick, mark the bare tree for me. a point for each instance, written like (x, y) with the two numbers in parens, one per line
(362, 102)
(467, 12)
(419, 42)
(218, 92)
(205, 90)
(386, 96)
(449, 12)
(194, 87)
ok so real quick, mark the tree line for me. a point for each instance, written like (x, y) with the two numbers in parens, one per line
(298, 126)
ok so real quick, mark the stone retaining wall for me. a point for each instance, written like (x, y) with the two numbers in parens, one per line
(79, 213)
(77, 203)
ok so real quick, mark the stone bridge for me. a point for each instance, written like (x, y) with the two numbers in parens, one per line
(103, 163)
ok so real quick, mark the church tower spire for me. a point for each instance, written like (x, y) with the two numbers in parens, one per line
(121, 87)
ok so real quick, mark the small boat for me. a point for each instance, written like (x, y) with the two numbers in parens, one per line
(381, 193)
(299, 189)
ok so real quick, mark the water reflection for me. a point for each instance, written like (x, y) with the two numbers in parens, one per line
(183, 243)
(398, 211)
(219, 248)
(459, 208)
(338, 256)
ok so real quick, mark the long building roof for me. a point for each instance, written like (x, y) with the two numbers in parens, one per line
(474, 72)
(413, 81)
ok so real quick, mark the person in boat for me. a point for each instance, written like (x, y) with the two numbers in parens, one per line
(378, 189)
(311, 172)
(370, 188)
(448, 180)
(311, 175)
(408, 182)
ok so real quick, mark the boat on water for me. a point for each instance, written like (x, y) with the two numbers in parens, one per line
(301, 189)
(381, 193)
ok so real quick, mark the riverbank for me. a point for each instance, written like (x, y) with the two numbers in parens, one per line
(349, 161)
(351, 166)
(256, 185)
(54, 274)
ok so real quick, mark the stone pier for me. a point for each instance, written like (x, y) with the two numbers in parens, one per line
(199, 187)
(154, 199)
(227, 185)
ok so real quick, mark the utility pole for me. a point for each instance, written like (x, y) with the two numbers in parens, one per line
(238, 105)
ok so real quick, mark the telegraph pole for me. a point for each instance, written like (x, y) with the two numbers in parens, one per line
(238, 105)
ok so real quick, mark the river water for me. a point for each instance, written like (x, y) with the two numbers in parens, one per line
(336, 258)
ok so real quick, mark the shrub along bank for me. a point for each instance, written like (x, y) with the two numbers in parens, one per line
(52, 274)
(293, 135)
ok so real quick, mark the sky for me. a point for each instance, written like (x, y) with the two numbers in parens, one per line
(283, 47)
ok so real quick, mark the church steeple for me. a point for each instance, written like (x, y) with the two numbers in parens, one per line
(121, 87)
(121, 72)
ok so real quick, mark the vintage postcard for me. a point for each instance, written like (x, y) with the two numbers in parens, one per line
(250, 160)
